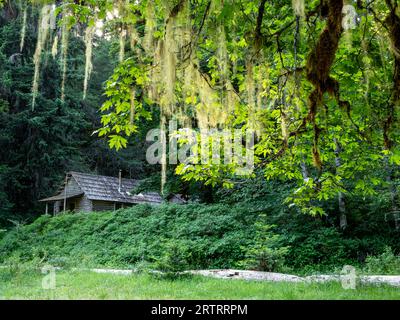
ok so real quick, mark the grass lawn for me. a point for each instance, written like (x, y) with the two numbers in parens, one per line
(87, 285)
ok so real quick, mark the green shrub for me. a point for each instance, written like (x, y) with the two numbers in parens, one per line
(213, 235)
(319, 248)
(13, 264)
(266, 252)
(385, 263)
(60, 262)
(15, 268)
(174, 259)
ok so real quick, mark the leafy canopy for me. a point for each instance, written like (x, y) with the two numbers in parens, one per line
(317, 81)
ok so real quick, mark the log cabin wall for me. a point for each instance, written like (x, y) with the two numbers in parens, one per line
(72, 186)
(103, 206)
(83, 204)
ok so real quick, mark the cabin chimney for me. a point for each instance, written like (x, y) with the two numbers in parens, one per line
(120, 181)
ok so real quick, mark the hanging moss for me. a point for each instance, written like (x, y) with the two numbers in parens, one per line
(132, 101)
(43, 32)
(284, 126)
(319, 65)
(134, 40)
(250, 88)
(23, 28)
(155, 73)
(216, 6)
(263, 85)
(169, 67)
(227, 94)
(89, 33)
(164, 74)
(298, 7)
(54, 48)
(174, 64)
(122, 36)
(148, 42)
(64, 56)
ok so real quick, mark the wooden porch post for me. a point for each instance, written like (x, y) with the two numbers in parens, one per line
(65, 193)
(47, 208)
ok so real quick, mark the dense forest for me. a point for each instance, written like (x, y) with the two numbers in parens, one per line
(316, 82)
(41, 145)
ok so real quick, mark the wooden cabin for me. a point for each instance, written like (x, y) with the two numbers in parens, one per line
(84, 192)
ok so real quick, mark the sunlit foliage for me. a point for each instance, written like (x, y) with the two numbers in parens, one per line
(317, 82)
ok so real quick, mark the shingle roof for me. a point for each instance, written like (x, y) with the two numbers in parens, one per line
(148, 197)
(105, 188)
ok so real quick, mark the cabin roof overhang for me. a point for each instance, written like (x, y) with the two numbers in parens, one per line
(62, 197)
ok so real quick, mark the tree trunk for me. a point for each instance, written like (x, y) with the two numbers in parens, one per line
(341, 197)
(342, 211)
(393, 22)
(394, 209)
